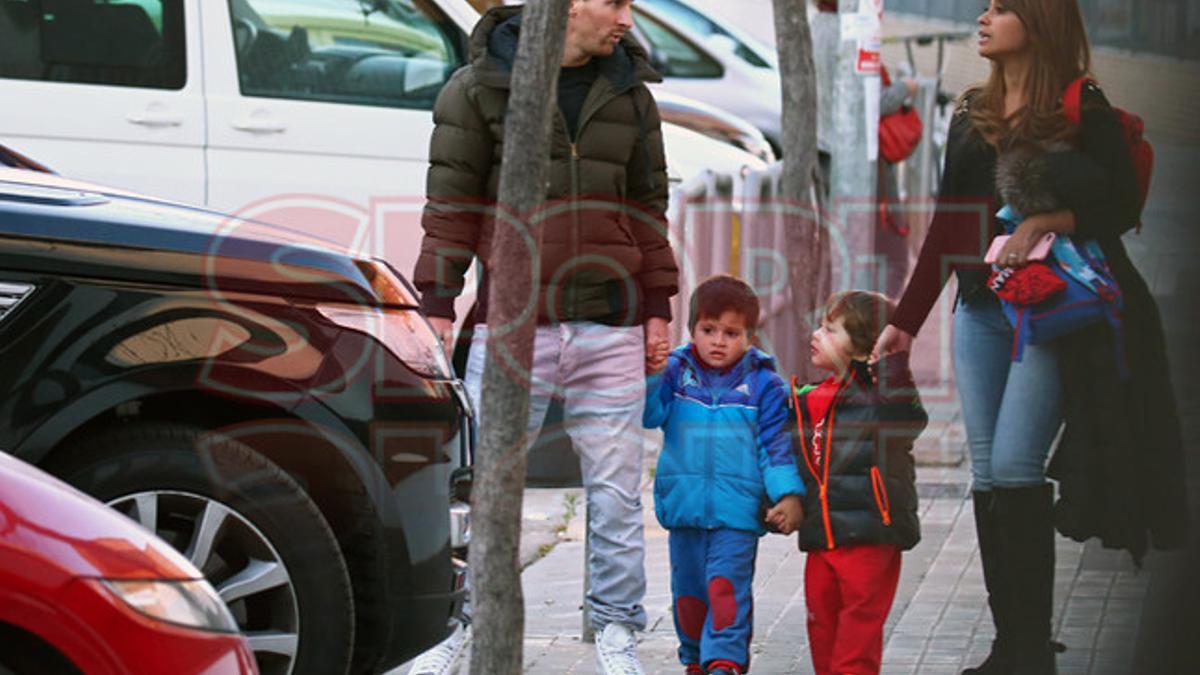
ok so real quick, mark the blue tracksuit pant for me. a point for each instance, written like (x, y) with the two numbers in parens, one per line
(711, 576)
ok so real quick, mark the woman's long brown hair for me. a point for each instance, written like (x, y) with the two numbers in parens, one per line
(1061, 55)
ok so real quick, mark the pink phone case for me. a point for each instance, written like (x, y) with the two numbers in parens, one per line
(1039, 252)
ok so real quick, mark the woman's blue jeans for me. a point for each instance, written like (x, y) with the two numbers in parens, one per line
(1012, 410)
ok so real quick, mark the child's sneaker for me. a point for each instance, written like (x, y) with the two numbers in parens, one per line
(693, 669)
(616, 651)
(720, 667)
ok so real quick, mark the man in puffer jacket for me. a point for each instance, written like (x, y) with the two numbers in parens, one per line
(604, 257)
(726, 460)
(607, 274)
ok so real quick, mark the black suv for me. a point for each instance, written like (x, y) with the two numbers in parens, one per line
(281, 413)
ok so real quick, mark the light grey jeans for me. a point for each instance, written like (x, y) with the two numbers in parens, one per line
(1012, 410)
(598, 372)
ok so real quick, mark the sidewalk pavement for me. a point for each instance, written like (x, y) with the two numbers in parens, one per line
(938, 624)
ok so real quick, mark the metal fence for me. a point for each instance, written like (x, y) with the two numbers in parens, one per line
(1167, 27)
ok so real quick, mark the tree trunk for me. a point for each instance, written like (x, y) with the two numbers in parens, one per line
(807, 241)
(498, 603)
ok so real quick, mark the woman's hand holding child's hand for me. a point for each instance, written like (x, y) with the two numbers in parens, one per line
(787, 514)
(890, 341)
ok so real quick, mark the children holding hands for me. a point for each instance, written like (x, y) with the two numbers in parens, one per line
(743, 451)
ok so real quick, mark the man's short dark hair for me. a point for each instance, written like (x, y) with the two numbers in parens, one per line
(863, 313)
(724, 293)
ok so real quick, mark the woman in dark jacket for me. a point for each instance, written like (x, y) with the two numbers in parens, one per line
(1120, 458)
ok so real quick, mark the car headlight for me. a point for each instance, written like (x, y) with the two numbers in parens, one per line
(398, 325)
(194, 603)
(404, 332)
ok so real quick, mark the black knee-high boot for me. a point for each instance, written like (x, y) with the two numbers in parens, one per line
(1025, 525)
(994, 578)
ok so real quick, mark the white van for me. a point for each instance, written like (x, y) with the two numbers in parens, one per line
(224, 103)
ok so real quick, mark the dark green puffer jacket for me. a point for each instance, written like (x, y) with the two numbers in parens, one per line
(870, 491)
(604, 250)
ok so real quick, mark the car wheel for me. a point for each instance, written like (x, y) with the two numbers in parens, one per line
(244, 522)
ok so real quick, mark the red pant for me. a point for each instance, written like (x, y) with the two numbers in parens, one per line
(849, 593)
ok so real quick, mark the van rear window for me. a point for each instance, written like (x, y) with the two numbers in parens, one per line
(126, 43)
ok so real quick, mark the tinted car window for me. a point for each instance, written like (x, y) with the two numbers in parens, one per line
(693, 20)
(395, 53)
(129, 43)
(683, 59)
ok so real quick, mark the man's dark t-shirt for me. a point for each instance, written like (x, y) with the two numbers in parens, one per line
(573, 87)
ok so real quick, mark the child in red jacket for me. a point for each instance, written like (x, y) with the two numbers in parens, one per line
(854, 433)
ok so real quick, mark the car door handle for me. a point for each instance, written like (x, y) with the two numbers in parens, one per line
(259, 125)
(155, 119)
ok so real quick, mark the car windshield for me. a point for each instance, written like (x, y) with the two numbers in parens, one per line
(682, 58)
(697, 23)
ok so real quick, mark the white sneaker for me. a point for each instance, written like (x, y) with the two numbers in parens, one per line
(439, 659)
(616, 651)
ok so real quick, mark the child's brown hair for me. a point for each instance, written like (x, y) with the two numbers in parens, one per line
(863, 313)
(724, 293)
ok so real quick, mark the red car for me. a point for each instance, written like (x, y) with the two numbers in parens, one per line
(84, 589)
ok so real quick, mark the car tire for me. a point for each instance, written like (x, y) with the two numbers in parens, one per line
(167, 474)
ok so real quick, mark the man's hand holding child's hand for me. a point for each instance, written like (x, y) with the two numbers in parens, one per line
(787, 514)
(656, 357)
(657, 353)
(658, 345)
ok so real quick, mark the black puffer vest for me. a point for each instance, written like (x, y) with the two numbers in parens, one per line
(865, 492)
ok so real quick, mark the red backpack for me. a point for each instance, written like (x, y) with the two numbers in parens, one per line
(1140, 150)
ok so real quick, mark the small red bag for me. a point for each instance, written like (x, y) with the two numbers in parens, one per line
(1028, 285)
(899, 132)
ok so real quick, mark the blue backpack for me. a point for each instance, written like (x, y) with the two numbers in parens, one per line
(1092, 295)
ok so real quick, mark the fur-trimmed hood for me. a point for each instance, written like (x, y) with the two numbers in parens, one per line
(1025, 177)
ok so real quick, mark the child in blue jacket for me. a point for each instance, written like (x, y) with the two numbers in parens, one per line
(725, 471)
